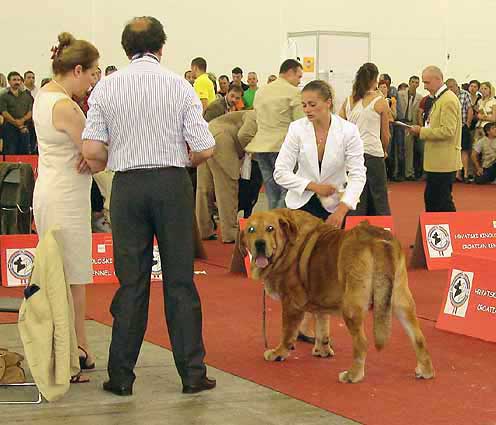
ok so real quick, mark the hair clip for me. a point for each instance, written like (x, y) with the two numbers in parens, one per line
(55, 52)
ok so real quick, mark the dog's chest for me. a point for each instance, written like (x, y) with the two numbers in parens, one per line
(271, 290)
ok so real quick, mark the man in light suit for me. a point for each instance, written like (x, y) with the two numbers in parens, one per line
(442, 135)
(223, 105)
(407, 109)
(220, 174)
(277, 105)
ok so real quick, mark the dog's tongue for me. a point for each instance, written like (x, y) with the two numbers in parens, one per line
(261, 261)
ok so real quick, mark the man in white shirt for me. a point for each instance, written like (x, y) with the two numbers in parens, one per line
(152, 197)
(29, 83)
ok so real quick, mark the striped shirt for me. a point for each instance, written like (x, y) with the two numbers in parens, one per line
(147, 116)
(466, 104)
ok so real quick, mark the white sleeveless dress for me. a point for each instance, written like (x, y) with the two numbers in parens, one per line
(61, 193)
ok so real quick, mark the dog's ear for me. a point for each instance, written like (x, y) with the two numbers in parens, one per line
(242, 244)
(288, 228)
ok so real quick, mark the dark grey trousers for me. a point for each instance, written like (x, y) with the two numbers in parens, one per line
(144, 204)
(374, 197)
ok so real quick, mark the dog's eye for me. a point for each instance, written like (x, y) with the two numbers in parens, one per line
(251, 229)
(269, 229)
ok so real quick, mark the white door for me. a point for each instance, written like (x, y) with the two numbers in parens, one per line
(340, 56)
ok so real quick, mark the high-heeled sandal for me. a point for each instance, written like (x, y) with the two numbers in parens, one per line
(83, 360)
(79, 379)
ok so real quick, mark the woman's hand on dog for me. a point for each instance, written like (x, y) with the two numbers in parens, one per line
(336, 219)
(322, 189)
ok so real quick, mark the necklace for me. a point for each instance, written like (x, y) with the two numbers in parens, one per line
(62, 87)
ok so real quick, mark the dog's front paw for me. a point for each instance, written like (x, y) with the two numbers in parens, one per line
(424, 372)
(275, 355)
(322, 350)
(347, 377)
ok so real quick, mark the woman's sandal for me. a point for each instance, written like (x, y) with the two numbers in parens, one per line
(79, 379)
(83, 360)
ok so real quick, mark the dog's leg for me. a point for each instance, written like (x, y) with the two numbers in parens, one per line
(404, 309)
(291, 319)
(322, 347)
(354, 315)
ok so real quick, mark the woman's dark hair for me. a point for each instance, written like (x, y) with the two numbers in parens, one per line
(71, 53)
(367, 73)
(323, 89)
(477, 82)
(143, 35)
(488, 127)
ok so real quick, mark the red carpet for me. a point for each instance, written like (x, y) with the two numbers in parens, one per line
(462, 393)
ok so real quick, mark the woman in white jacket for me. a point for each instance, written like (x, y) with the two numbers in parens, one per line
(328, 154)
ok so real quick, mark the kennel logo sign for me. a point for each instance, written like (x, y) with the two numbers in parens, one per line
(469, 303)
(459, 293)
(19, 265)
(443, 235)
(439, 240)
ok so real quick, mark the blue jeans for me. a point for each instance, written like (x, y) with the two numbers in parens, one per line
(14, 141)
(275, 193)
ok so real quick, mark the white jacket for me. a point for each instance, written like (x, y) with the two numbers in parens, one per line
(342, 165)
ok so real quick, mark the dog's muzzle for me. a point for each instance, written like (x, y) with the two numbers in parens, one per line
(261, 259)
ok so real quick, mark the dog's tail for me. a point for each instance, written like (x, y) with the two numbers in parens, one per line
(383, 289)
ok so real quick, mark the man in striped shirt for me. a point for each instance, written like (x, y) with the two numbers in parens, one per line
(141, 121)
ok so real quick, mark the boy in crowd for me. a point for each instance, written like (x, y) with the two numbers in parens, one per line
(486, 148)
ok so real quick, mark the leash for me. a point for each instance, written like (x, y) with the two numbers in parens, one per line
(264, 318)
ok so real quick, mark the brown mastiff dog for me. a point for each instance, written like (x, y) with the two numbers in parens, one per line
(313, 267)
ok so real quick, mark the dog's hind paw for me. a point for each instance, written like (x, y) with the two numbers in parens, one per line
(346, 378)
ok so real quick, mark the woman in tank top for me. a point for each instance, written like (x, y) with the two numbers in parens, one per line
(370, 112)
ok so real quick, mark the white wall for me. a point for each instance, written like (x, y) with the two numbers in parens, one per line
(406, 36)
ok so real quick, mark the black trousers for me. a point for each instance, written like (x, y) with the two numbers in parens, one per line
(488, 176)
(249, 190)
(438, 192)
(314, 207)
(144, 204)
(14, 141)
(374, 198)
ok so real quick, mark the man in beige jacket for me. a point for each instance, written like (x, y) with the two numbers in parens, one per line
(443, 137)
(277, 105)
(219, 175)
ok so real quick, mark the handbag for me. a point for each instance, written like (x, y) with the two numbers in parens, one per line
(11, 371)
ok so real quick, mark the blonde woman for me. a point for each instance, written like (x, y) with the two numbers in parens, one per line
(487, 109)
(62, 190)
(328, 154)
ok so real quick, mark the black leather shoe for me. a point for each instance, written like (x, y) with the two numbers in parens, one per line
(204, 384)
(122, 390)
